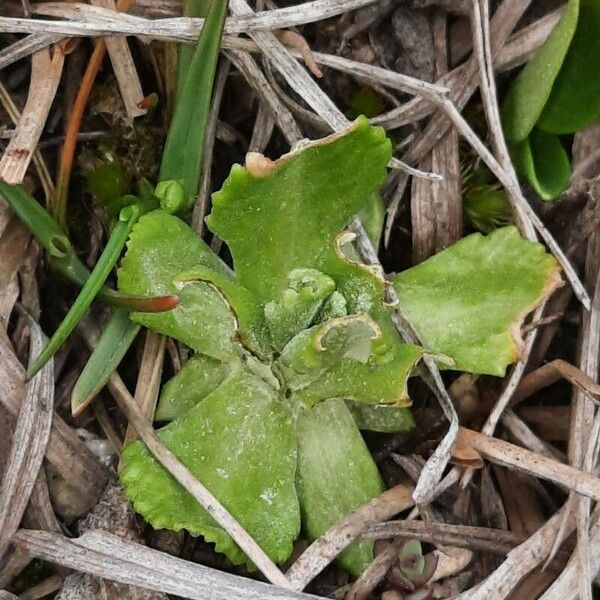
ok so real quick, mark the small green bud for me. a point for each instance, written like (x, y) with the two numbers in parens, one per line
(172, 196)
(108, 181)
(487, 207)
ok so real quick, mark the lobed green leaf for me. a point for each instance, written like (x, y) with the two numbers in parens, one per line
(288, 203)
(198, 378)
(336, 475)
(239, 442)
(381, 418)
(469, 301)
(160, 248)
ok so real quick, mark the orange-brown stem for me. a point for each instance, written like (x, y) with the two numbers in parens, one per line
(59, 208)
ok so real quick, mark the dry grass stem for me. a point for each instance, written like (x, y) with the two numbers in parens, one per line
(263, 128)
(282, 116)
(46, 71)
(202, 495)
(495, 541)
(110, 557)
(40, 513)
(566, 587)
(124, 68)
(88, 20)
(521, 432)
(43, 589)
(148, 382)
(325, 549)
(464, 82)
(26, 47)
(30, 439)
(202, 201)
(431, 474)
(508, 455)
(436, 208)
(65, 452)
(514, 52)
(101, 22)
(12, 565)
(519, 562)
(106, 425)
(552, 372)
(585, 418)
(38, 160)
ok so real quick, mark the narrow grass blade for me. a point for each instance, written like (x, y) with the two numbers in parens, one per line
(184, 148)
(37, 220)
(116, 339)
(92, 286)
(62, 256)
(185, 52)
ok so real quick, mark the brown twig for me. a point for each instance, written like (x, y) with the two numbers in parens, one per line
(110, 557)
(201, 494)
(504, 453)
(46, 71)
(325, 549)
(148, 382)
(495, 541)
(59, 206)
(31, 436)
(551, 373)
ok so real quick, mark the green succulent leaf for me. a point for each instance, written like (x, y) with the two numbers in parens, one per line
(372, 216)
(239, 442)
(288, 203)
(348, 358)
(298, 306)
(91, 288)
(543, 162)
(184, 147)
(198, 378)
(161, 248)
(469, 301)
(336, 475)
(532, 88)
(329, 343)
(248, 311)
(381, 418)
(117, 336)
(574, 102)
